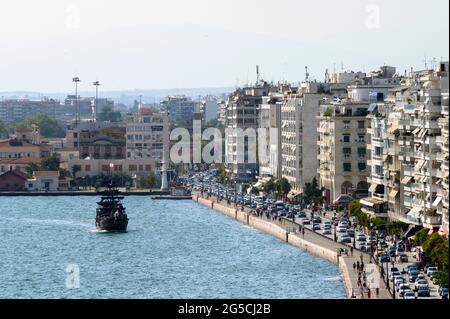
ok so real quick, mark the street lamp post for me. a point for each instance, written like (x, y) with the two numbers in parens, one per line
(335, 235)
(96, 84)
(77, 108)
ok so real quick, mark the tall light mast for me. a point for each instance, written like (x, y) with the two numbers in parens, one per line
(96, 84)
(77, 107)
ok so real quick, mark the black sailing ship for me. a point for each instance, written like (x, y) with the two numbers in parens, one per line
(111, 215)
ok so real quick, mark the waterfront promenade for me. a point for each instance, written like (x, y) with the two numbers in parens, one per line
(312, 242)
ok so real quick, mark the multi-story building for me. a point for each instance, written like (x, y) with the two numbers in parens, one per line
(16, 110)
(443, 141)
(412, 129)
(270, 121)
(222, 111)
(343, 151)
(242, 113)
(209, 108)
(181, 108)
(107, 143)
(299, 137)
(147, 131)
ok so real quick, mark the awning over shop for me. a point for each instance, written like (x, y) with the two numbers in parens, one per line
(393, 194)
(370, 202)
(294, 194)
(420, 164)
(437, 201)
(414, 213)
(394, 128)
(373, 187)
(406, 180)
(416, 131)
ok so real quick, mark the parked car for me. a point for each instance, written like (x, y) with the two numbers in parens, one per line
(443, 292)
(431, 270)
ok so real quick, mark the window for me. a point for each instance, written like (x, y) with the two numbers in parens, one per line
(30, 185)
(347, 151)
(361, 124)
(148, 168)
(87, 168)
(132, 168)
(346, 138)
(361, 138)
(347, 167)
(362, 166)
(105, 168)
(362, 152)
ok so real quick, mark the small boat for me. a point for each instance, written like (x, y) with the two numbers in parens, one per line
(111, 215)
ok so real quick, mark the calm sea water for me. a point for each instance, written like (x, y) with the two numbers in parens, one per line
(174, 249)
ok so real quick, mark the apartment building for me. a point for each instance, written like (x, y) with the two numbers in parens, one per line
(299, 137)
(147, 131)
(181, 108)
(243, 113)
(270, 121)
(411, 123)
(13, 110)
(343, 153)
(107, 143)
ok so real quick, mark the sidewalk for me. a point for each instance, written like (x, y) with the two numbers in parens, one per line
(350, 276)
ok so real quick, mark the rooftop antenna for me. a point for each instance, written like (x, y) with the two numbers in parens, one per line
(306, 74)
(342, 66)
(426, 62)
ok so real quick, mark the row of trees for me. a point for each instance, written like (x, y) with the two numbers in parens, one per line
(436, 247)
(47, 126)
(362, 219)
(50, 163)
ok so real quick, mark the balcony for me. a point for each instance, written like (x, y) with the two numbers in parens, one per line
(432, 220)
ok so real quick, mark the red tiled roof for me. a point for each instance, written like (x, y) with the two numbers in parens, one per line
(22, 160)
(16, 143)
(46, 173)
(17, 173)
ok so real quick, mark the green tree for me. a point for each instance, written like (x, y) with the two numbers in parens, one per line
(75, 170)
(270, 187)
(47, 126)
(421, 237)
(31, 168)
(312, 192)
(108, 114)
(283, 187)
(50, 163)
(149, 181)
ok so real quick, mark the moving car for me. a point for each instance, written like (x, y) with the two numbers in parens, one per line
(409, 295)
(402, 289)
(403, 257)
(316, 226)
(423, 291)
(326, 231)
(345, 239)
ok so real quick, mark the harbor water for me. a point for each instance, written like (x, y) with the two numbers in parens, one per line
(49, 248)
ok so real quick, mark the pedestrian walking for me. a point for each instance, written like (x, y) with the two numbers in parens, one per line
(303, 232)
(357, 265)
(354, 266)
(377, 291)
(362, 266)
(369, 293)
(351, 251)
(361, 257)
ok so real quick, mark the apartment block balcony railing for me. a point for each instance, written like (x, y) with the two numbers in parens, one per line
(432, 220)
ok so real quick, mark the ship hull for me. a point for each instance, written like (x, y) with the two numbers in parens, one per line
(111, 224)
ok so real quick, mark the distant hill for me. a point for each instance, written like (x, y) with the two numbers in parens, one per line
(126, 97)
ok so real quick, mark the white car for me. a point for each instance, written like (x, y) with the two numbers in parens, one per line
(409, 295)
(398, 280)
(326, 231)
(420, 282)
(431, 269)
(394, 274)
(361, 238)
(342, 229)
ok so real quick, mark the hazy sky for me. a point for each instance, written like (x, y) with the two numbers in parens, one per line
(209, 43)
